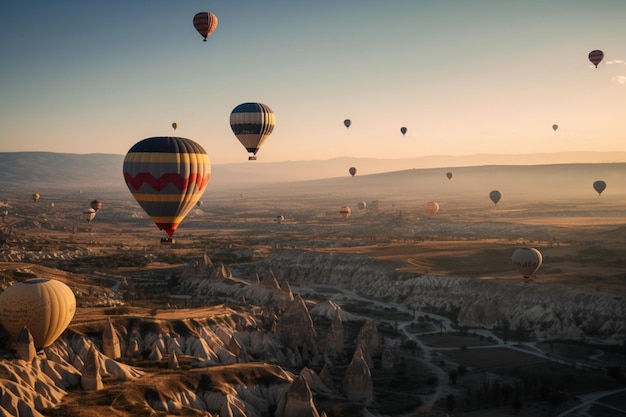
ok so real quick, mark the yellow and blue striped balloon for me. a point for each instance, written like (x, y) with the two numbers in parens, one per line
(167, 176)
(252, 123)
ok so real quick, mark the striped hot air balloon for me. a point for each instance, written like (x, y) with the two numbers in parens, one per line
(252, 124)
(205, 23)
(167, 176)
(344, 212)
(596, 57)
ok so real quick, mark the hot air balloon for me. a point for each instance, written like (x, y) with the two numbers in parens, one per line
(51, 205)
(347, 123)
(279, 219)
(403, 130)
(431, 208)
(36, 197)
(449, 175)
(174, 125)
(96, 204)
(205, 23)
(167, 176)
(345, 211)
(362, 205)
(352, 171)
(89, 214)
(555, 127)
(599, 186)
(495, 196)
(44, 306)
(252, 123)
(527, 260)
(596, 57)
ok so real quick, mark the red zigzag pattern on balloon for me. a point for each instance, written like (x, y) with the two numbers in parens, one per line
(164, 180)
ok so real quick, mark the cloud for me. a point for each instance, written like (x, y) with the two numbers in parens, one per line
(616, 61)
(620, 79)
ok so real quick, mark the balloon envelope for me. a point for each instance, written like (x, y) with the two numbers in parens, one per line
(252, 124)
(403, 130)
(362, 205)
(174, 125)
(279, 219)
(495, 196)
(44, 306)
(596, 57)
(599, 186)
(36, 197)
(431, 208)
(345, 211)
(167, 176)
(347, 123)
(205, 23)
(449, 175)
(527, 260)
(352, 171)
(555, 127)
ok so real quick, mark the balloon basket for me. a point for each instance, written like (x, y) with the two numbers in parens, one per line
(252, 158)
(168, 240)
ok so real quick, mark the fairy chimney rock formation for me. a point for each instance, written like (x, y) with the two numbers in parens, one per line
(368, 336)
(327, 377)
(335, 335)
(172, 361)
(300, 400)
(91, 380)
(269, 281)
(25, 347)
(295, 326)
(111, 342)
(357, 382)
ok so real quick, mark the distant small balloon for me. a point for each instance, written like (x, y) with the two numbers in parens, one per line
(403, 130)
(596, 57)
(555, 127)
(174, 125)
(280, 219)
(205, 23)
(362, 205)
(495, 196)
(449, 175)
(527, 260)
(345, 211)
(36, 197)
(96, 204)
(347, 123)
(352, 171)
(599, 186)
(431, 208)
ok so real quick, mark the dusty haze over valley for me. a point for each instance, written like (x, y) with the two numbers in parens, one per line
(269, 303)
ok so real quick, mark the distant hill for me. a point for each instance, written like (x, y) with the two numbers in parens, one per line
(103, 172)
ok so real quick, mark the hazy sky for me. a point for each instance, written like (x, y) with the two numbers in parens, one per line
(464, 77)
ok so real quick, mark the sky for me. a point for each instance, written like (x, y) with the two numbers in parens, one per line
(464, 77)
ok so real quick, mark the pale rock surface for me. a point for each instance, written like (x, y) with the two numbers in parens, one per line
(91, 380)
